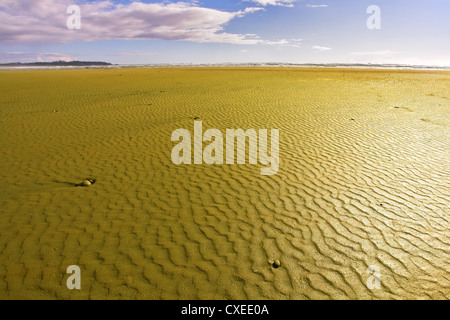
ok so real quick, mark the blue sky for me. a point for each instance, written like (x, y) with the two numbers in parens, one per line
(211, 31)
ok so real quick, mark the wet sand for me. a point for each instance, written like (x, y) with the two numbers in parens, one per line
(363, 181)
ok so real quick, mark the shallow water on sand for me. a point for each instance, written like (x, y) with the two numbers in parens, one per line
(363, 181)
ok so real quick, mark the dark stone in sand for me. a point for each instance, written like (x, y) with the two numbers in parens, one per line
(86, 183)
(276, 264)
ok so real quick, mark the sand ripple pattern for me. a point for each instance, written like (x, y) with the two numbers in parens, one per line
(364, 180)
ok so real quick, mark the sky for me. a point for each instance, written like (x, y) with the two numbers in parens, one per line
(217, 31)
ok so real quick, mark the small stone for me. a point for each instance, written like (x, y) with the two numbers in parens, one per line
(276, 264)
(86, 183)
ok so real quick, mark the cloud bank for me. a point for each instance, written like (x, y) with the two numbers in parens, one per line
(44, 21)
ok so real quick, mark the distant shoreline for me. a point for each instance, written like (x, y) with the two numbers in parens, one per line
(105, 65)
(56, 64)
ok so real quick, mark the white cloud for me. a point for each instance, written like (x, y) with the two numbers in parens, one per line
(295, 43)
(317, 5)
(320, 48)
(284, 3)
(44, 21)
(374, 53)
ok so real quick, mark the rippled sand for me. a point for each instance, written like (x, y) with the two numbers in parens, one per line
(363, 181)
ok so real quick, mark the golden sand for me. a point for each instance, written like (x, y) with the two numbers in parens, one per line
(363, 181)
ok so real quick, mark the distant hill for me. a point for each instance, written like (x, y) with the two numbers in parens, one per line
(56, 64)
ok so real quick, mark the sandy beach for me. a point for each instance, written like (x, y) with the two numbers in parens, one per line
(363, 180)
